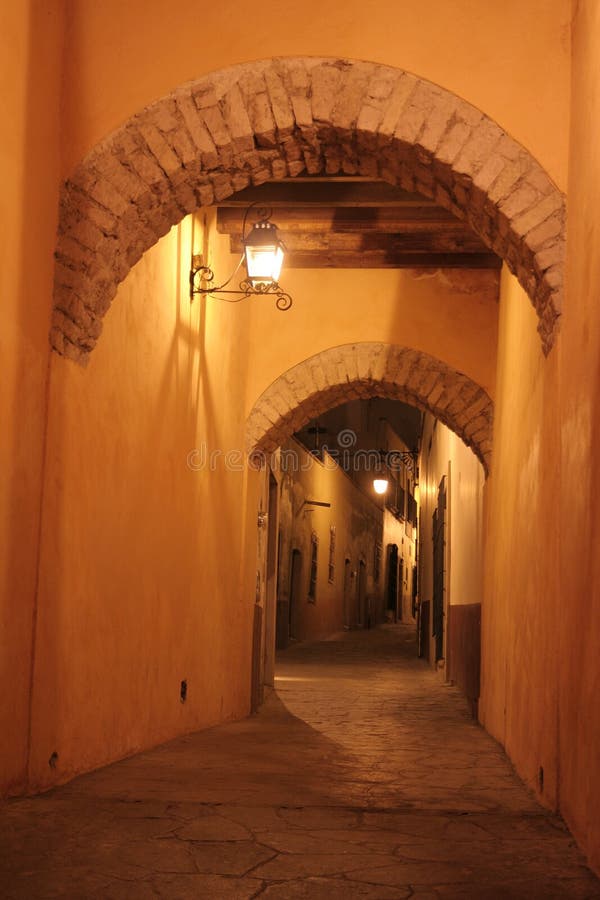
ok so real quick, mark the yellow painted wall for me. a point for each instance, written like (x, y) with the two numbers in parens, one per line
(141, 582)
(450, 314)
(30, 67)
(578, 622)
(521, 613)
(509, 59)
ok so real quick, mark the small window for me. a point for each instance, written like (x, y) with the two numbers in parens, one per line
(312, 587)
(411, 510)
(331, 554)
(377, 563)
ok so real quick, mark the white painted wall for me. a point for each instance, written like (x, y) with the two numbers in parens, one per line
(443, 453)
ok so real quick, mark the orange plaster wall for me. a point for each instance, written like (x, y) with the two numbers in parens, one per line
(30, 60)
(141, 581)
(520, 615)
(510, 59)
(580, 447)
(449, 314)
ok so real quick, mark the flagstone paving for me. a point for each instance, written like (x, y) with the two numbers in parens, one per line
(363, 776)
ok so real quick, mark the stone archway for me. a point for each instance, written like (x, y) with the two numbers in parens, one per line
(278, 118)
(362, 371)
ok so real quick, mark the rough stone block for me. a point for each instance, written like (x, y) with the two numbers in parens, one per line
(509, 177)
(161, 150)
(522, 198)
(437, 123)
(215, 123)
(279, 168)
(351, 95)
(453, 141)
(164, 115)
(553, 254)
(280, 103)
(402, 90)
(262, 119)
(296, 167)
(552, 227)
(369, 119)
(106, 195)
(237, 120)
(72, 253)
(489, 171)
(326, 80)
(87, 234)
(222, 186)
(205, 193)
(197, 131)
(146, 167)
(204, 94)
(482, 144)
(185, 149)
(553, 203)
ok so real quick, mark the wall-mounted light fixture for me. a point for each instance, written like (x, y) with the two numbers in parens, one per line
(380, 485)
(393, 459)
(263, 257)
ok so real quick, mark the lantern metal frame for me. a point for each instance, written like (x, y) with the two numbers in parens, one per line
(202, 277)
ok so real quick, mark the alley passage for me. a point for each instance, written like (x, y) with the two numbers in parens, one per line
(362, 777)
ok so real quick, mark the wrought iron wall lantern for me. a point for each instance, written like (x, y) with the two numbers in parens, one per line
(392, 460)
(263, 258)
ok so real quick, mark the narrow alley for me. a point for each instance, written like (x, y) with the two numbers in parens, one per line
(363, 776)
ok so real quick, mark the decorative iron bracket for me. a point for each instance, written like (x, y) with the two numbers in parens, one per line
(202, 282)
(394, 458)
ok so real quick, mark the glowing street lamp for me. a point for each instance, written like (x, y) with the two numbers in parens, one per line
(380, 485)
(264, 254)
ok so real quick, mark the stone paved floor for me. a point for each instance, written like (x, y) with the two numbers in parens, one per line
(362, 777)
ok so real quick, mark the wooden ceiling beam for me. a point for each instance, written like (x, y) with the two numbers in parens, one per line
(360, 242)
(380, 259)
(352, 192)
(321, 218)
(357, 223)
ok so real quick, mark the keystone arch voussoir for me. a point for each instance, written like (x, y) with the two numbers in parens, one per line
(332, 377)
(283, 117)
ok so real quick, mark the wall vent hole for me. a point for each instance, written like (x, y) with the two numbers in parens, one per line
(53, 760)
(183, 691)
(541, 779)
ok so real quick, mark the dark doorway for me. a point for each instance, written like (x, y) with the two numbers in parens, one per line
(271, 583)
(347, 592)
(256, 688)
(400, 589)
(439, 544)
(363, 620)
(392, 580)
(295, 588)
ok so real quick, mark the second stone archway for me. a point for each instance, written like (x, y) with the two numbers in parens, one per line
(361, 371)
